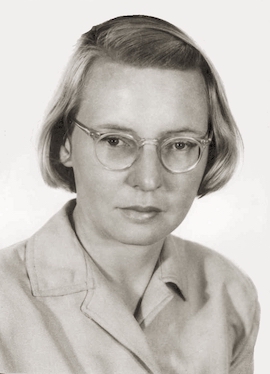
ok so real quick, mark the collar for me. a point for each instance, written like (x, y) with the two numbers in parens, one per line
(55, 260)
(173, 264)
(58, 265)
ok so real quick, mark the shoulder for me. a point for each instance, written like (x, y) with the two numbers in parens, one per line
(12, 255)
(13, 272)
(222, 297)
(219, 275)
(214, 263)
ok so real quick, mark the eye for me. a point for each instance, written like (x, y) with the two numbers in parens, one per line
(116, 141)
(182, 145)
(113, 141)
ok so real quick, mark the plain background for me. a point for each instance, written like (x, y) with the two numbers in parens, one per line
(37, 37)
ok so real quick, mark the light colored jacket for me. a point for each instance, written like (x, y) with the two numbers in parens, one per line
(58, 314)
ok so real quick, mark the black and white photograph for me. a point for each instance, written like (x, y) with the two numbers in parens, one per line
(135, 186)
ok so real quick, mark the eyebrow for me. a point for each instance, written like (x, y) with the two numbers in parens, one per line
(162, 134)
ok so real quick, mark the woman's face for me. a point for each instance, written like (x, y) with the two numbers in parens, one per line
(143, 204)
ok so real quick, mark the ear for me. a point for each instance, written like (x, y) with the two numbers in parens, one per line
(65, 153)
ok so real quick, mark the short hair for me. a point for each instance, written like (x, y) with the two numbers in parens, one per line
(143, 42)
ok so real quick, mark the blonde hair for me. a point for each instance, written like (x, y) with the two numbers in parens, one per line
(140, 41)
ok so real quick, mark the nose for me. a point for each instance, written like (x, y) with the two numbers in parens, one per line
(146, 173)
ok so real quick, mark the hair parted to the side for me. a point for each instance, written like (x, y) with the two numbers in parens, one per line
(143, 42)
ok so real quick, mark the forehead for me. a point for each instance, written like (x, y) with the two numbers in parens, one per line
(144, 98)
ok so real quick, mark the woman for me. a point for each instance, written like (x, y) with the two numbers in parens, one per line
(138, 128)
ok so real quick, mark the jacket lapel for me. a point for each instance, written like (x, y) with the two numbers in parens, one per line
(58, 265)
(104, 306)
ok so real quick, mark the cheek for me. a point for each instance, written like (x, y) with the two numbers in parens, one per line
(184, 189)
(94, 184)
(188, 183)
(84, 163)
(183, 195)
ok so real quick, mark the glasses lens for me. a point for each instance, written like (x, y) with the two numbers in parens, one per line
(180, 154)
(116, 151)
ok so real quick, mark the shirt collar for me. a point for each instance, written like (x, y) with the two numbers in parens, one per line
(55, 260)
(58, 265)
(173, 267)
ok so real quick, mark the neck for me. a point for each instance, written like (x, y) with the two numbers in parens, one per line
(117, 261)
(128, 268)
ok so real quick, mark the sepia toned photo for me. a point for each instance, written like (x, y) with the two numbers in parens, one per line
(135, 208)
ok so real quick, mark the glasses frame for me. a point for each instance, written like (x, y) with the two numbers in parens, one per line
(97, 135)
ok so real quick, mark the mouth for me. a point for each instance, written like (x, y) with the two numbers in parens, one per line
(141, 214)
(143, 209)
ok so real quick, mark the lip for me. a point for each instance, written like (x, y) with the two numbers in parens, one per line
(142, 209)
(140, 214)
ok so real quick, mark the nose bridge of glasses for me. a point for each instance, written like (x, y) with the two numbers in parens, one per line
(145, 141)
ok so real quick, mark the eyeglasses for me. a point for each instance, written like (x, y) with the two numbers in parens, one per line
(119, 151)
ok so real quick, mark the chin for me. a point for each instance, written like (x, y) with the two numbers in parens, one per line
(141, 237)
(142, 242)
